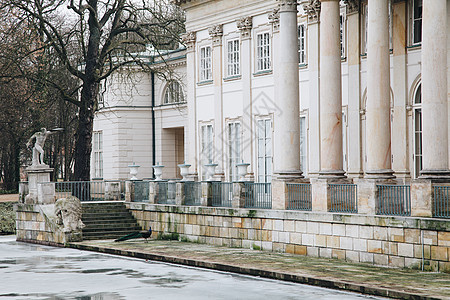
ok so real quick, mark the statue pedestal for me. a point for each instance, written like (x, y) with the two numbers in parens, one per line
(41, 190)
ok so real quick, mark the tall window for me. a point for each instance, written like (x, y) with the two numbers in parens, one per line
(263, 51)
(264, 150)
(234, 149)
(303, 144)
(205, 63)
(233, 58)
(174, 93)
(364, 24)
(417, 131)
(301, 44)
(416, 16)
(207, 147)
(342, 33)
(98, 154)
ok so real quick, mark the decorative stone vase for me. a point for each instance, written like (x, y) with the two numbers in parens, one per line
(184, 171)
(133, 171)
(158, 172)
(242, 170)
(210, 171)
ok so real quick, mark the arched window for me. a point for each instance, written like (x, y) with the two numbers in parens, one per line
(173, 93)
(417, 120)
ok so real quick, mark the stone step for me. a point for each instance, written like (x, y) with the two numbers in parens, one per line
(124, 214)
(105, 235)
(107, 220)
(130, 229)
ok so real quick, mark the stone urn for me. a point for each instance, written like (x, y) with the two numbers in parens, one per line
(133, 171)
(210, 171)
(184, 171)
(158, 171)
(242, 170)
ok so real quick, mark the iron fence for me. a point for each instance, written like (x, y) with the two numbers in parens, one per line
(441, 201)
(141, 191)
(343, 198)
(299, 196)
(258, 195)
(83, 190)
(222, 194)
(192, 193)
(167, 192)
(393, 200)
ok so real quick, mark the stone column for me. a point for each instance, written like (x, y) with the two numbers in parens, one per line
(312, 9)
(330, 91)
(378, 123)
(434, 90)
(216, 33)
(286, 119)
(354, 90)
(190, 136)
(245, 27)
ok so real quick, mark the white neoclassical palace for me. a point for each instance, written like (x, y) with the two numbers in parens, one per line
(326, 89)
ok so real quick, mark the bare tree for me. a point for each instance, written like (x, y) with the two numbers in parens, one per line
(93, 39)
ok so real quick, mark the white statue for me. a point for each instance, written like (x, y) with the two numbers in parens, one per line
(38, 149)
(68, 213)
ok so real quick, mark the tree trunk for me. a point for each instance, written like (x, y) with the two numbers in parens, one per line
(83, 144)
(89, 95)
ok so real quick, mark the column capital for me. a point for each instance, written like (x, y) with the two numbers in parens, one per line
(188, 39)
(312, 9)
(216, 33)
(245, 25)
(274, 18)
(352, 6)
(287, 5)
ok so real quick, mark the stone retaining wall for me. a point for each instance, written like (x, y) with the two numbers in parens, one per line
(34, 224)
(388, 241)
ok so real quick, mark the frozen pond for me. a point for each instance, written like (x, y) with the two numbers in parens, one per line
(29, 271)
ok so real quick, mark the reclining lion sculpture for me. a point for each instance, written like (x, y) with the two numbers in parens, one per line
(68, 213)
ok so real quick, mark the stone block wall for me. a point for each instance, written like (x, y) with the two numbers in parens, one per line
(388, 241)
(33, 225)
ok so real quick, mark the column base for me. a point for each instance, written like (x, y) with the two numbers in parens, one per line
(331, 174)
(288, 175)
(435, 175)
(379, 174)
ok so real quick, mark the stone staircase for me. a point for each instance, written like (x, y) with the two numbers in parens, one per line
(107, 220)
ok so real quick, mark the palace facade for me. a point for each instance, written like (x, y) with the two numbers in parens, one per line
(330, 89)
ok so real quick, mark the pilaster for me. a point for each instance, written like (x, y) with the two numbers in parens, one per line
(355, 169)
(400, 151)
(216, 33)
(245, 28)
(190, 136)
(312, 9)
